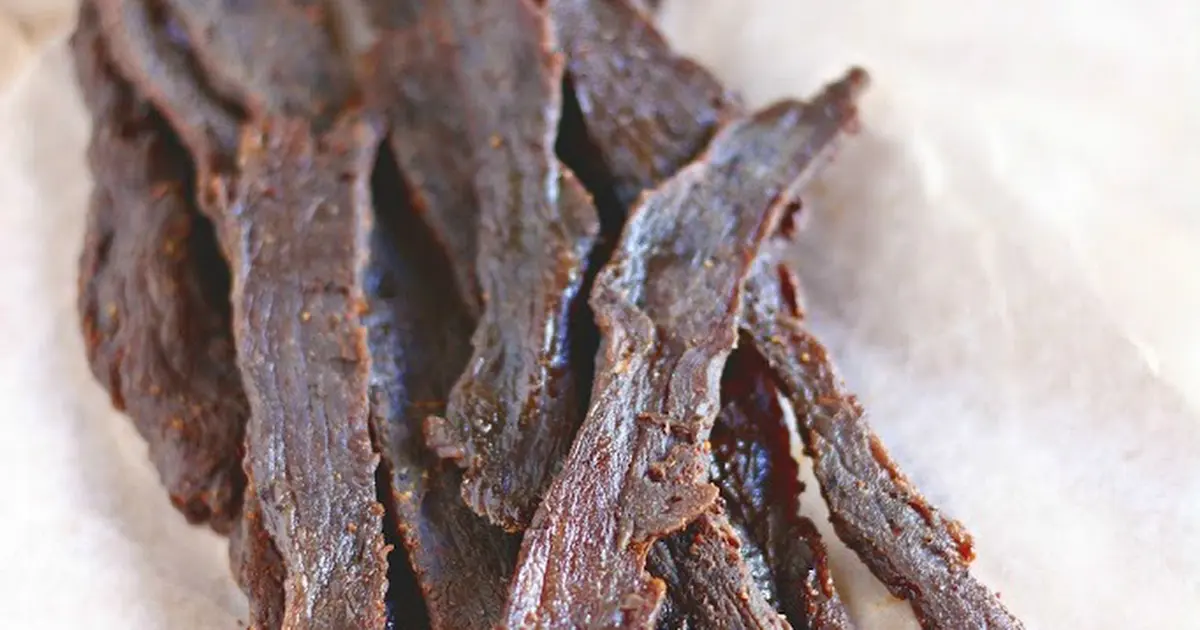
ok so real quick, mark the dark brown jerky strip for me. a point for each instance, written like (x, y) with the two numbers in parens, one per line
(759, 480)
(512, 414)
(667, 306)
(293, 219)
(296, 222)
(154, 296)
(919, 554)
(649, 110)
(708, 580)
(416, 82)
(419, 335)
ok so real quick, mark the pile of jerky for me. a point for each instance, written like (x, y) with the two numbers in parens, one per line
(474, 314)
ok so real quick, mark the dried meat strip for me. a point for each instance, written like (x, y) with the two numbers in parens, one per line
(415, 81)
(419, 335)
(708, 580)
(292, 209)
(667, 305)
(649, 110)
(759, 480)
(154, 296)
(512, 414)
(919, 554)
(257, 566)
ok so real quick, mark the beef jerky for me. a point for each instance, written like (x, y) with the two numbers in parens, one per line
(257, 566)
(649, 110)
(918, 553)
(512, 414)
(667, 305)
(759, 480)
(419, 335)
(296, 222)
(153, 296)
(415, 80)
(708, 579)
(292, 210)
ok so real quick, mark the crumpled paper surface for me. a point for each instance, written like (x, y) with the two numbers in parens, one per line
(1004, 263)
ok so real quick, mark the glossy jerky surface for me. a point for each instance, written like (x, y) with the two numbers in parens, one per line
(419, 334)
(296, 224)
(919, 554)
(759, 481)
(638, 468)
(153, 296)
(512, 414)
(649, 110)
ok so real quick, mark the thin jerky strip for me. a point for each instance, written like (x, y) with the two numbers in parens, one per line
(919, 554)
(297, 220)
(708, 581)
(759, 479)
(419, 335)
(649, 110)
(153, 296)
(416, 82)
(667, 306)
(512, 414)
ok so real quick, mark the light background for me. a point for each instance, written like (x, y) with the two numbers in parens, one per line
(1004, 262)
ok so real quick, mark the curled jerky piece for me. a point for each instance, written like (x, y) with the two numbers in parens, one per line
(153, 296)
(919, 554)
(759, 479)
(296, 222)
(419, 335)
(512, 414)
(649, 110)
(667, 306)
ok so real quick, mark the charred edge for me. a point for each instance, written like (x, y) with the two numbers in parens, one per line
(576, 149)
(405, 606)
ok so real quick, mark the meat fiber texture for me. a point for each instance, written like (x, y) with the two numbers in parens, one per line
(1002, 264)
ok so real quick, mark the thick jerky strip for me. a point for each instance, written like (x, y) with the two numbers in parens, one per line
(419, 335)
(416, 82)
(296, 222)
(667, 306)
(914, 550)
(512, 414)
(708, 579)
(649, 110)
(759, 480)
(154, 296)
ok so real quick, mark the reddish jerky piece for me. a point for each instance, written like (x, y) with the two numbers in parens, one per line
(419, 335)
(759, 480)
(512, 414)
(914, 550)
(153, 296)
(649, 110)
(667, 306)
(416, 81)
(708, 580)
(296, 222)
(257, 566)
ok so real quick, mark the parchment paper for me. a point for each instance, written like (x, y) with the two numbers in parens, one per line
(1003, 262)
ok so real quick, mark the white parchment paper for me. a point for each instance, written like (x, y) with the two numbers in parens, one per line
(1004, 263)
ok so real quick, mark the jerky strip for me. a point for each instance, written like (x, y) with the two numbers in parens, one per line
(257, 566)
(153, 296)
(416, 82)
(512, 414)
(919, 554)
(708, 580)
(419, 335)
(296, 224)
(667, 306)
(649, 110)
(759, 480)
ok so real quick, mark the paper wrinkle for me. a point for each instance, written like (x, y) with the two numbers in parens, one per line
(1003, 263)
